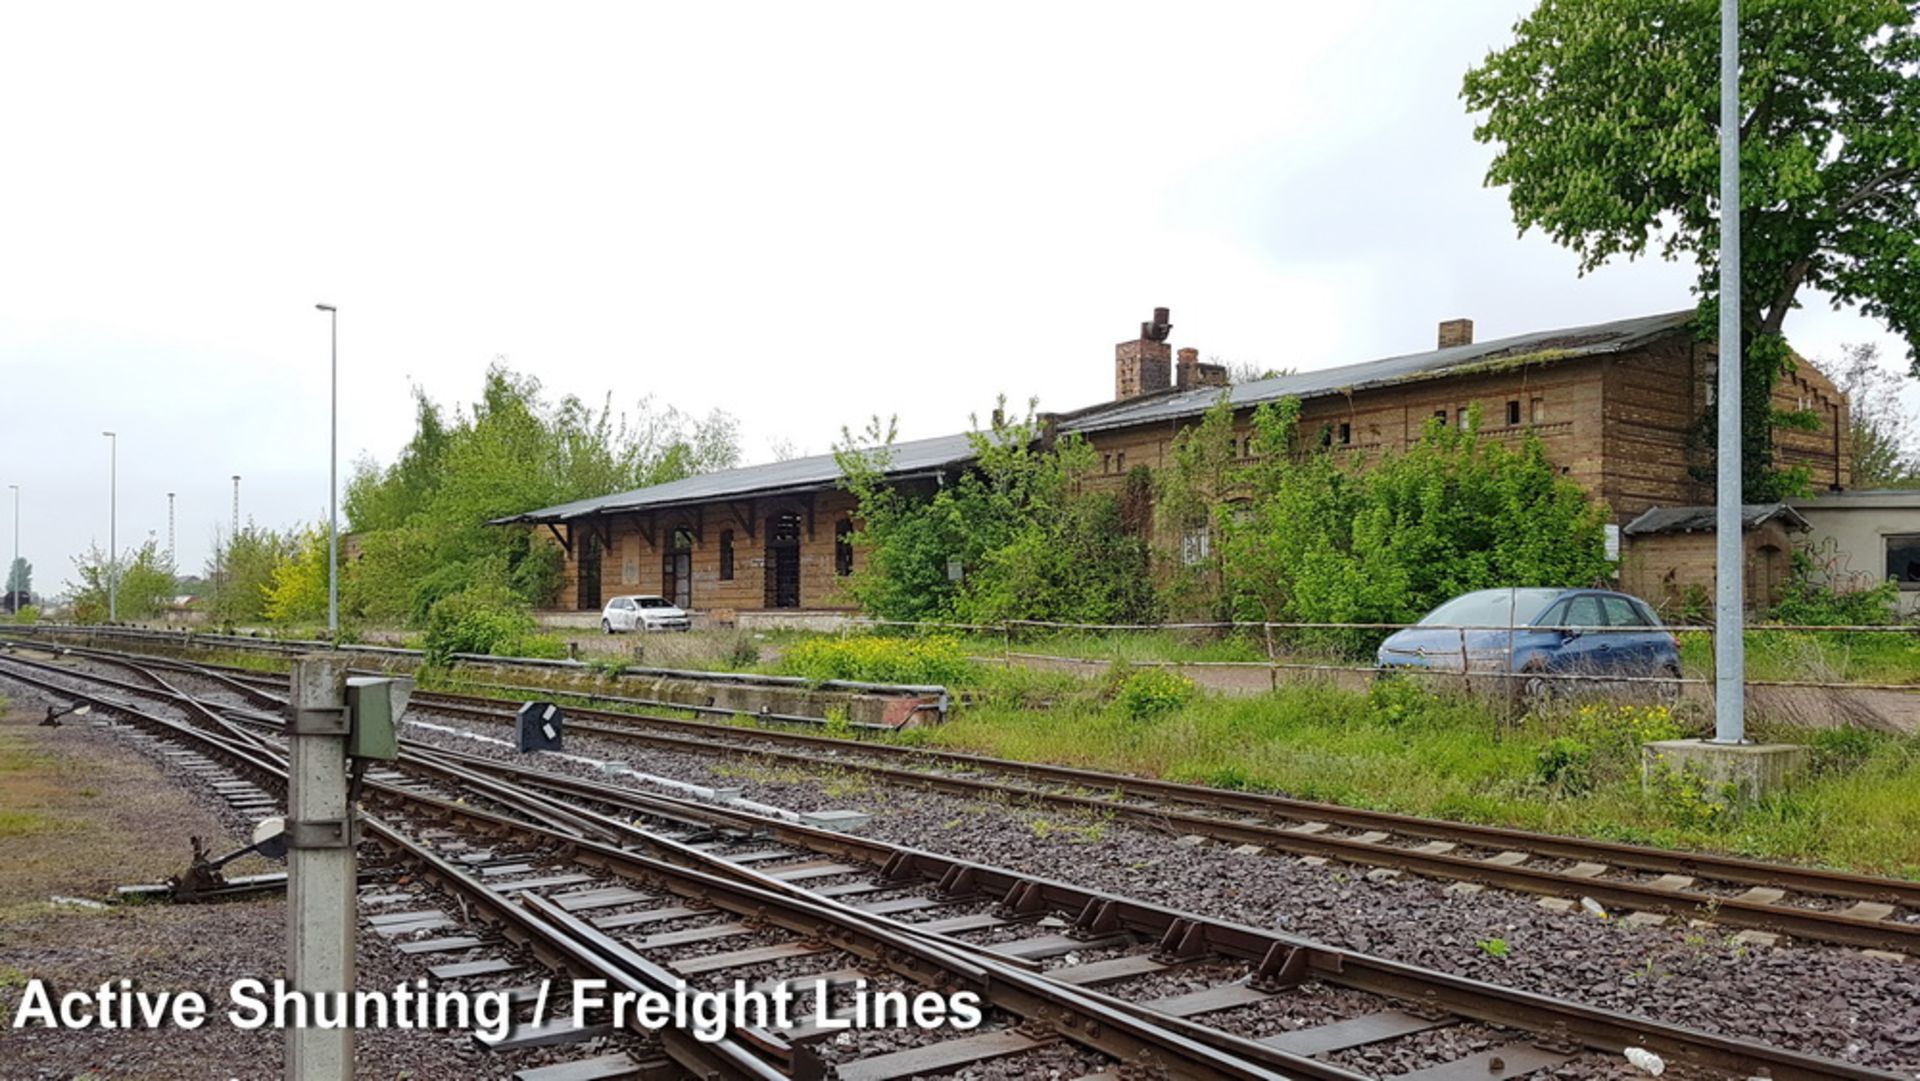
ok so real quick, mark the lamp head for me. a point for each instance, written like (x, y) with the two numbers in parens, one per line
(325, 307)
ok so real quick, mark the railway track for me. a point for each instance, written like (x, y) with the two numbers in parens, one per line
(529, 877)
(1635, 881)
(1217, 980)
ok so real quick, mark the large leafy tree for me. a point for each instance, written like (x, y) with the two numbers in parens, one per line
(1606, 115)
(141, 584)
(422, 520)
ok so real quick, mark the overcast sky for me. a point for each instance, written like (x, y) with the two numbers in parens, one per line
(803, 214)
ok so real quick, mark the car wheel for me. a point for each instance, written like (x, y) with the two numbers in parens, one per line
(1535, 686)
(606, 626)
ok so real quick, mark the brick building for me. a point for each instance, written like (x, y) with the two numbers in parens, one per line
(1614, 404)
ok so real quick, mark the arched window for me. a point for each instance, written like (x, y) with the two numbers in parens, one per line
(726, 555)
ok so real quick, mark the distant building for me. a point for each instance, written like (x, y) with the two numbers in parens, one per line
(1867, 537)
(1615, 405)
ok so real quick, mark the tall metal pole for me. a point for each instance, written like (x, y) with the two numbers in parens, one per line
(113, 527)
(13, 590)
(170, 552)
(333, 485)
(234, 530)
(1729, 639)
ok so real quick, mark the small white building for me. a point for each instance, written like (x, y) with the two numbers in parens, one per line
(1862, 538)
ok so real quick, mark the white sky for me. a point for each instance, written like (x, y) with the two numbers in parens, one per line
(804, 214)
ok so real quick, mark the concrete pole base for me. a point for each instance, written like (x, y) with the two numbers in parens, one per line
(1751, 770)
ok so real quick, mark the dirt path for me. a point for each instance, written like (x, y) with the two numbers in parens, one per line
(82, 811)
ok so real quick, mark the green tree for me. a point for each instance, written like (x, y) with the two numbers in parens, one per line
(1606, 116)
(144, 586)
(20, 579)
(296, 592)
(422, 521)
(1192, 494)
(241, 571)
(1033, 539)
(1880, 445)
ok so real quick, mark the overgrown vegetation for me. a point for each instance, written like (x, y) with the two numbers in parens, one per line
(1402, 747)
(1278, 532)
(141, 584)
(422, 521)
(1026, 535)
(485, 617)
(878, 659)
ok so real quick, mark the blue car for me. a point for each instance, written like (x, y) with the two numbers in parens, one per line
(1538, 634)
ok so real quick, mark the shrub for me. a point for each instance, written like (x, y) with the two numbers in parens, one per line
(1396, 700)
(1565, 765)
(874, 659)
(1810, 599)
(1622, 729)
(1839, 749)
(478, 619)
(544, 646)
(27, 614)
(743, 652)
(1686, 796)
(1154, 692)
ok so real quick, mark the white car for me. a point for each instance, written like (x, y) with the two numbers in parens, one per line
(643, 613)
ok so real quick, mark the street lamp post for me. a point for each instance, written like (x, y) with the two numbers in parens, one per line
(113, 527)
(13, 600)
(333, 463)
(1729, 637)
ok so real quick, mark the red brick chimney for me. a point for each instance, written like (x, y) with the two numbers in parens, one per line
(1188, 372)
(1456, 332)
(1142, 366)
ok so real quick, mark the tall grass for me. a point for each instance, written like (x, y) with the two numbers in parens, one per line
(1399, 747)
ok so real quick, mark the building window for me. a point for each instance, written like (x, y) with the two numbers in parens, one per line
(676, 569)
(843, 547)
(1538, 411)
(1326, 435)
(1346, 434)
(1460, 417)
(1441, 416)
(1513, 412)
(1195, 545)
(726, 555)
(1903, 560)
(1106, 463)
(1119, 461)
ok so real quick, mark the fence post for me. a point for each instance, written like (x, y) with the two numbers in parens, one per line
(1273, 660)
(1466, 677)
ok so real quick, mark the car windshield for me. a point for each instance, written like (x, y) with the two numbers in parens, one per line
(1491, 608)
(652, 602)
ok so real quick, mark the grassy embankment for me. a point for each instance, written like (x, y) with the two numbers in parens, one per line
(1570, 769)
